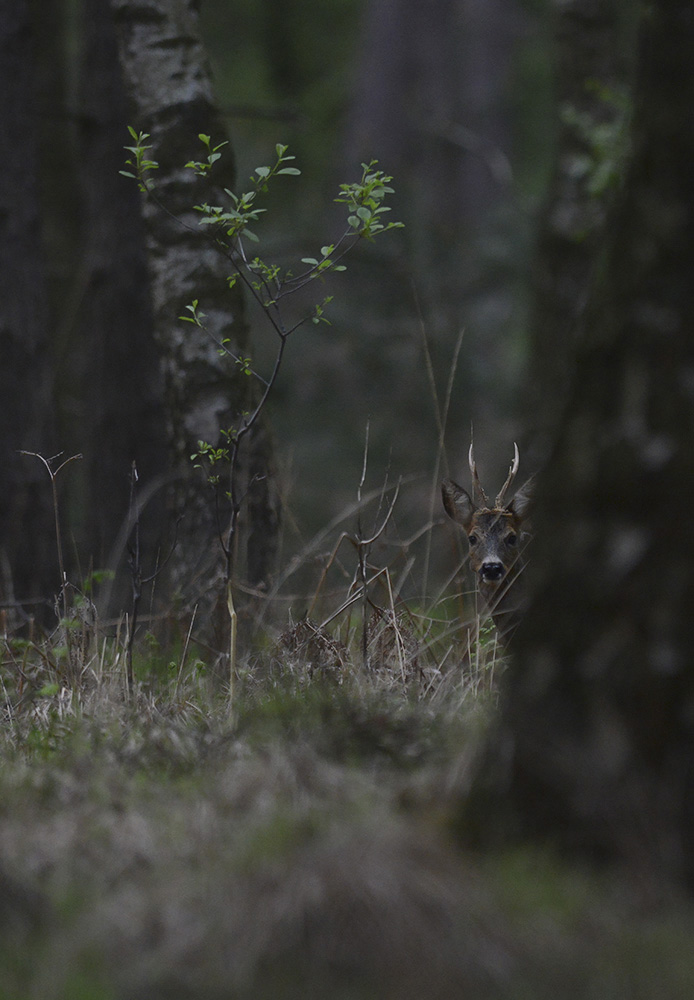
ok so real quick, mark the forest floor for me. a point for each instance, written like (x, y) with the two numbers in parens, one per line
(302, 844)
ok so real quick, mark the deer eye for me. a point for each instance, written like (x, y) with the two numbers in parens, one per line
(511, 539)
(472, 539)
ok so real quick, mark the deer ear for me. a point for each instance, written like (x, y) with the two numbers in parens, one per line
(457, 503)
(521, 503)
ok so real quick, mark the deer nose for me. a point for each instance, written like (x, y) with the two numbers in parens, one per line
(492, 570)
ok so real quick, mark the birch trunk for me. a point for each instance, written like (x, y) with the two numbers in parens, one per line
(168, 79)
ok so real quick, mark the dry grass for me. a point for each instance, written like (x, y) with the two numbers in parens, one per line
(160, 847)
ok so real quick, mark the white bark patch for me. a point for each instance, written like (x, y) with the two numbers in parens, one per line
(203, 421)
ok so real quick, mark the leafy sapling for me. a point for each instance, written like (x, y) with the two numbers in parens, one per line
(228, 227)
(364, 201)
(213, 154)
(141, 165)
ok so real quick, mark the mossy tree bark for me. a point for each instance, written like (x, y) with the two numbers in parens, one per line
(168, 79)
(596, 739)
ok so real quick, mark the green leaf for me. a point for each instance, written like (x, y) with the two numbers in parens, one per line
(294, 171)
(309, 260)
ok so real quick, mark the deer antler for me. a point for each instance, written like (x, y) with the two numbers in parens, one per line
(479, 497)
(499, 502)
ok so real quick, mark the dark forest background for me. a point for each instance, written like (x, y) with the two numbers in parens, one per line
(464, 108)
(542, 159)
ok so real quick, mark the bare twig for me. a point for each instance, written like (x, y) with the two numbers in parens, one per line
(53, 474)
(441, 417)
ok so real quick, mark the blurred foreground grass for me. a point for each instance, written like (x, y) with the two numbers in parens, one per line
(159, 848)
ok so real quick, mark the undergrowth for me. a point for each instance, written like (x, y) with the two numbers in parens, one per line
(158, 845)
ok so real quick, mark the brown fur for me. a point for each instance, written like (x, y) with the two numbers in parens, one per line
(496, 535)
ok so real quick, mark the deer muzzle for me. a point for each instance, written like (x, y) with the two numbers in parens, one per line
(491, 571)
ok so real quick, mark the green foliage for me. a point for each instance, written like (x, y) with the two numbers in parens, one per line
(364, 201)
(195, 317)
(319, 311)
(229, 226)
(203, 169)
(605, 137)
(95, 578)
(141, 164)
(234, 220)
(210, 456)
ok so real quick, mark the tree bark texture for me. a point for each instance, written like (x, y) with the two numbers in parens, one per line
(596, 743)
(429, 104)
(114, 357)
(593, 68)
(170, 87)
(28, 567)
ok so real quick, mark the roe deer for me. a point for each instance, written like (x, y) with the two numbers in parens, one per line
(495, 537)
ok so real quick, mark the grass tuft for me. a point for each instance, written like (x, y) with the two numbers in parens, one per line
(153, 845)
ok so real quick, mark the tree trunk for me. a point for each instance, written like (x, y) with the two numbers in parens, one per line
(114, 357)
(431, 104)
(168, 79)
(597, 734)
(593, 55)
(28, 567)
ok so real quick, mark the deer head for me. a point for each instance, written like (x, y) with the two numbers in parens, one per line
(495, 535)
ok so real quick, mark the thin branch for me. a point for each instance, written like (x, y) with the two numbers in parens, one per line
(441, 416)
(386, 519)
(354, 598)
(53, 473)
